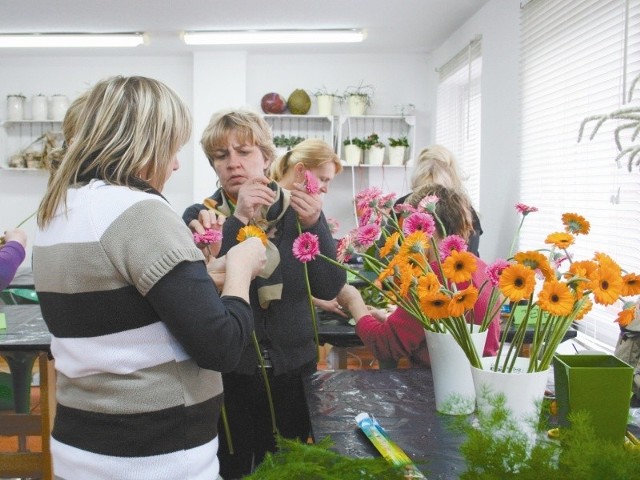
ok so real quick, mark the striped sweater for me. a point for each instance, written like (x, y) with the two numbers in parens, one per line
(139, 335)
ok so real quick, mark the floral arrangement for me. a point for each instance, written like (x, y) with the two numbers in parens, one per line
(432, 281)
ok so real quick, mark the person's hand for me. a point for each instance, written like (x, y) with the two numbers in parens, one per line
(307, 206)
(377, 313)
(330, 306)
(16, 235)
(217, 268)
(248, 255)
(253, 195)
(208, 220)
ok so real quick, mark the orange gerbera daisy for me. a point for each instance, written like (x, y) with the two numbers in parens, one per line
(560, 239)
(406, 279)
(575, 224)
(417, 242)
(605, 260)
(459, 266)
(606, 285)
(390, 245)
(428, 284)
(625, 317)
(517, 282)
(556, 298)
(535, 261)
(463, 300)
(435, 306)
(586, 307)
(630, 285)
(583, 268)
(252, 231)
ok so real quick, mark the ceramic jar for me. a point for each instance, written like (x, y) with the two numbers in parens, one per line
(39, 108)
(15, 108)
(59, 105)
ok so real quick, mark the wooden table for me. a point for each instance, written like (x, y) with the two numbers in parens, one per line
(401, 400)
(26, 339)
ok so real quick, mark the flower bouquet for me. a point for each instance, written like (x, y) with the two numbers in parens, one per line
(432, 281)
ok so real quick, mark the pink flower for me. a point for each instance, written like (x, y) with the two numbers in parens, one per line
(334, 225)
(450, 243)
(428, 203)
(345, 249)
(495, 270)
(405, 209)
(306, 247)
(368, 234)
(386, 201)
(525, 209)
(419, 221)
(208, 237)
(311, 183)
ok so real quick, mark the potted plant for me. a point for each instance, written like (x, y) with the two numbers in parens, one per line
(325, 99)
(359, 98)
(375, 150)
(285, 143)
(353, 151)
(397, 148)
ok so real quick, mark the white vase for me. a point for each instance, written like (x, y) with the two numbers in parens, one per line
(452, 381)
(15, 108)
(325, 104)
(39, 108)
(375, 156)
(523, 392)
(59, 106)
(352, 154)
(396, 155)
(357, 104)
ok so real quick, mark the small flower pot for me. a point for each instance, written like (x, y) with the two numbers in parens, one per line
(375, 156)
(325, 105)
(357, 104)
(352, 154)
(39, 108)
(15, 108)
(396, 155)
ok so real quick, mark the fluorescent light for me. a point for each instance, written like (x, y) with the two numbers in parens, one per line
(245, 37)
(71, 40)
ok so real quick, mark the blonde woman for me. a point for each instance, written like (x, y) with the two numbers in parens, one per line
(239, 147)
(139, 332)
(437, 165)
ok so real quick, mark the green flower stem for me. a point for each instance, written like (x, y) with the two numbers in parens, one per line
(227, 430)
(267, 385)
(27, 219)
(515, 237)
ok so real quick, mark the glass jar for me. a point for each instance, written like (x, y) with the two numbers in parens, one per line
(39, 108)
(15, 108)
(59, 105)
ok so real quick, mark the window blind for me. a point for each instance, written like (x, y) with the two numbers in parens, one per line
(577, 59)
(458, 113)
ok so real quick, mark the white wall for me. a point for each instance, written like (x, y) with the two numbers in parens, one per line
(498, 22)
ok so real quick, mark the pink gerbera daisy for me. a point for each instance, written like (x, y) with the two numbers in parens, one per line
(428, 203)
(525, 209)
(208, 237)
(345, 249)
(311, 183)
(306, 247)
(368, 234)
(419, 221)
(450, 243)
(495, 270)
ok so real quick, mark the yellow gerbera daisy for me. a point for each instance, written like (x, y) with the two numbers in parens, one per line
(463, 300)
(556, 298)
(606, 285)
(575, 224)
(535, 261)
(560, 239)
(435, 306)
(252, 231)
(630, 284)
(517, 282)
(390, 244)
(459, 266)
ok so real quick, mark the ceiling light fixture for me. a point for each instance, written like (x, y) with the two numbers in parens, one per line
(71, 40)
(246, 37)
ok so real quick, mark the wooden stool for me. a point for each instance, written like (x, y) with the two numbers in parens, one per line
(25, 463)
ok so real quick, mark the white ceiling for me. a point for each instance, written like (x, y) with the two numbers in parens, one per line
(392, 25)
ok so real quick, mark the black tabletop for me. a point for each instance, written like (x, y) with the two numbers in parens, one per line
(403, 403)
(25, 330)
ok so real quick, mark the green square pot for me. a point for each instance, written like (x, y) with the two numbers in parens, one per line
(599, 384)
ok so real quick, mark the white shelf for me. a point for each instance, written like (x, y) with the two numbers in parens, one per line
(16, 136)
(306, 126)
